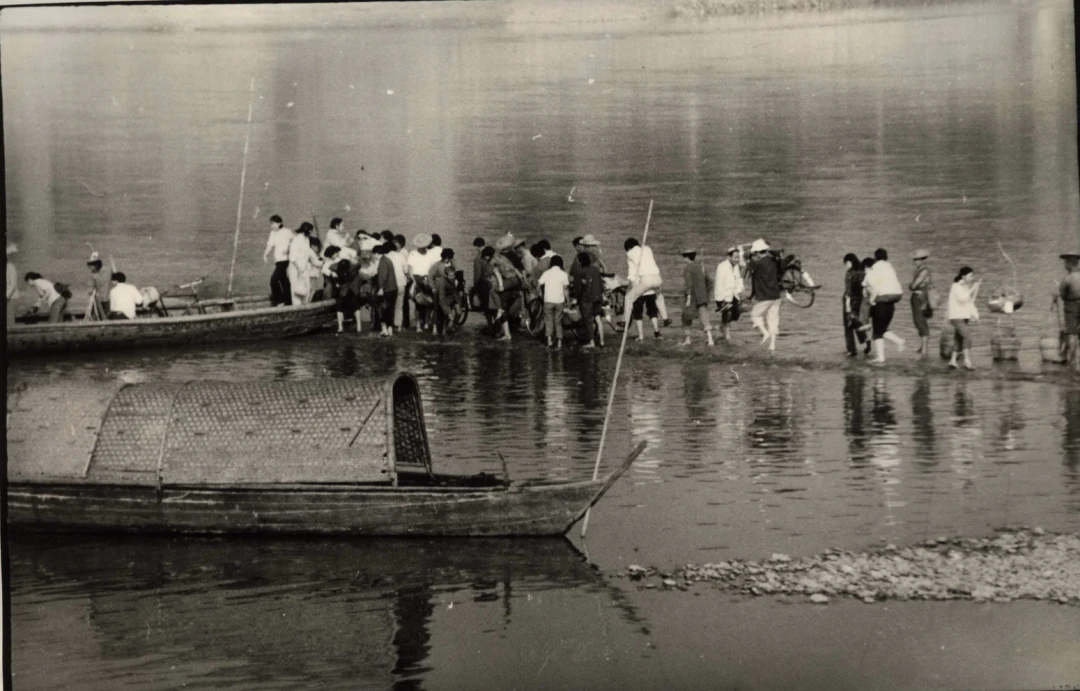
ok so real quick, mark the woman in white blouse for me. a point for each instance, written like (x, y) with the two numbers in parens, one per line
(961, 312)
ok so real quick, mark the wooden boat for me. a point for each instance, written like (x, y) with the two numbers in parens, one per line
(240, 319)
(331, 456)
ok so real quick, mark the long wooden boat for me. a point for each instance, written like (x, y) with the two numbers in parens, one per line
(331, 456)
(241, 319)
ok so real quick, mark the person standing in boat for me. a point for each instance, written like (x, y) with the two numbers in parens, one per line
(884, 291)
(12, 289)
(299, 261)
(50, 295)
(314, 270)
(100, 284)
(123, 297)
(922, 283)
(336, 236)
(1069, 294)
(728, 289)
(277, 245)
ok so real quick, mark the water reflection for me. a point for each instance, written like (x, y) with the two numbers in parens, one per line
(854, 425)
(216, 608)
(922, 421)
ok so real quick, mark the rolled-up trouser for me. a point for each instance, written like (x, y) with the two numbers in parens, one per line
(553, 312)
(280, 290)
(766, 313)
(881, 316)
(589, 312)
(643, 285)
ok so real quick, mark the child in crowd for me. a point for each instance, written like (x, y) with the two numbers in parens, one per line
(554, 283)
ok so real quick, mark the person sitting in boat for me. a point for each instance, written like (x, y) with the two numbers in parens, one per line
(100, 284)
(123, 298)
(50, 295)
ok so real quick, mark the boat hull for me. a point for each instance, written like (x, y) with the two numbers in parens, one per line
(239, 325)
(538, 510)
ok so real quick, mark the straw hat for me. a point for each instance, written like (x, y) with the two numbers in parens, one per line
(421, 240)
(1070, 255)
(12, 248)
(94, 259)
(688, 251)
(920, 254)
(590, 241)
(759, 246)
(504, 243)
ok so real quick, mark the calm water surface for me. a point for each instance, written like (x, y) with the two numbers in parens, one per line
(954, 129)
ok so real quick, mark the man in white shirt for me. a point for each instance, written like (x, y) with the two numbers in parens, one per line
(399, 258)
(729, 288)
(418, 266)
(278, 245)
(885, 290)
(555, 286)
(123, 298)
(642, 272)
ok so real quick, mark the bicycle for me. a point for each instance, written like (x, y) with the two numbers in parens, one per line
(796, 284)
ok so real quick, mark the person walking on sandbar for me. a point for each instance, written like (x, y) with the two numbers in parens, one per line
(696, 290)
(765, 290)
(277, 244)
(922, 283)
(884, 291)
(728, 289)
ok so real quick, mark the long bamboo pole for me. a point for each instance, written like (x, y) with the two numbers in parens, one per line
(614, 384)
(243, 175)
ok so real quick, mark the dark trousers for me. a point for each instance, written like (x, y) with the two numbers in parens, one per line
(852, 335)
(383, 314)
(280, 289)
(589, 312)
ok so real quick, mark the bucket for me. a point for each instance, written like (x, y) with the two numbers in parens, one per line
(1050, 347)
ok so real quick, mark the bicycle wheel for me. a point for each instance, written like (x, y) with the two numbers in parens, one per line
(792, 284)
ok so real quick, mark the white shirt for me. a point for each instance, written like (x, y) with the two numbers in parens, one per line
(46, 291)
(729, 282)
(420, 264)
(299, 250)
(961, 302)
(123, 297)
(881, 279)
(279, 242)
(554, 283)
(349, 254)
(339, 239)
(640, 263)
(399, 260)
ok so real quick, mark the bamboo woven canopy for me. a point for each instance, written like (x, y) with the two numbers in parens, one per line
(213, 433)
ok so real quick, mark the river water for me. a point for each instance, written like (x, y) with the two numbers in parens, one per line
(951, 128)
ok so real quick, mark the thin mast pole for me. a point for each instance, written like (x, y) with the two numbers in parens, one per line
(243, 175)
(611, 394)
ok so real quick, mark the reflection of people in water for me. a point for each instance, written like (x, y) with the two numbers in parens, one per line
(922, 420)
(1072, 431)
(966, 439)
(884, 441)
(1012, 419)
(854, 426)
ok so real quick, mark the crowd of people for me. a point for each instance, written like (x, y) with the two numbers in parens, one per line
(514, 284)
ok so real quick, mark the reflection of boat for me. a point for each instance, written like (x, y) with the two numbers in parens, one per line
(332, 456)
(280, 611)
(240, 319)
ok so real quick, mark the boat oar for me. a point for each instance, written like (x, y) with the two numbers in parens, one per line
(611, 394)
(243, 175)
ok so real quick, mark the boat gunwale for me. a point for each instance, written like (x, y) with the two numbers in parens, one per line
(119, 324)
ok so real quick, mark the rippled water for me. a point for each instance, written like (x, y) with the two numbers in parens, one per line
(950, 128)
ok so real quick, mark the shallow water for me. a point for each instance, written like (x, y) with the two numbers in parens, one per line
(952, 129)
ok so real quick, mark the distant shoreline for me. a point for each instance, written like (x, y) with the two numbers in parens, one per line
(726, 8)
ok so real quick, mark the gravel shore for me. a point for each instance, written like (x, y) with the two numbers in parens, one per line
(1016, 563)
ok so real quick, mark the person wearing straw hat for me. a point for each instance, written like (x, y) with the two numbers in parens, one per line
(765, 290)
(12, 290)
(728, 288)
(922, 307)
(1069, 294)
(509, 284)
(696, 290)
(418, 267)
